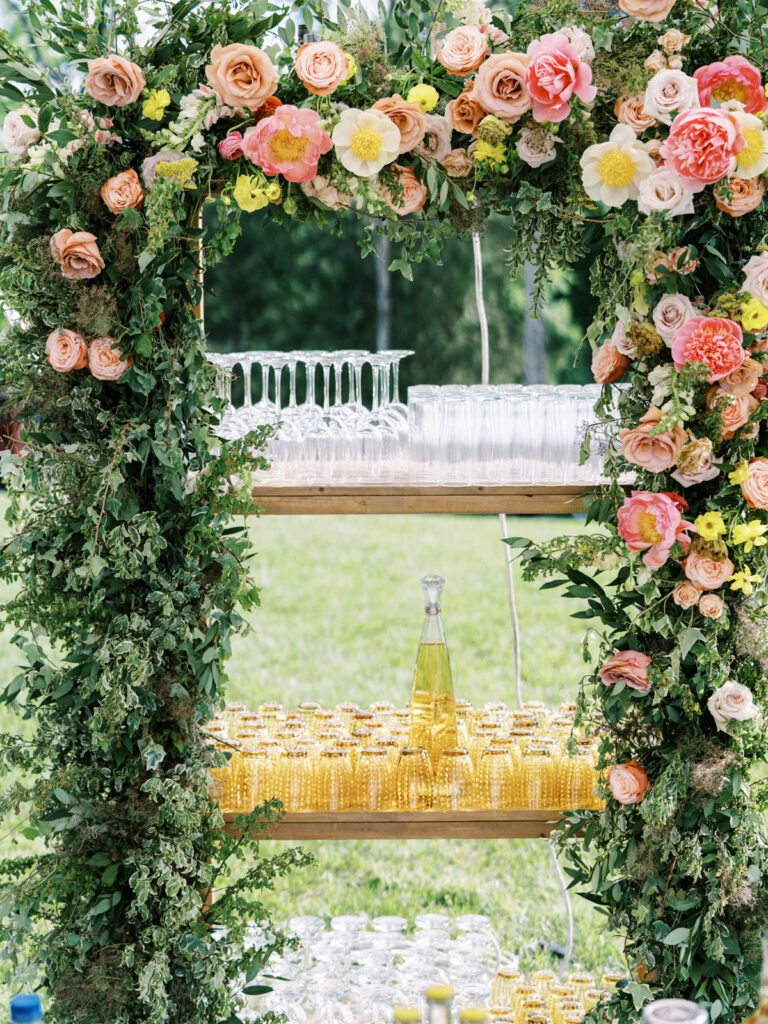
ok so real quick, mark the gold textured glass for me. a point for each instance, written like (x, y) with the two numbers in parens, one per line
(254, 777)
(352, 748)
(272, 715)
(542, 979)
(374, 780)
(593, 996)
(324, 719)
(522, 991)
(507, 979)
(557, 992)
(307, 710)
(454, 780)
(534, 1005)
(414, 779)
(364, 735)
(295, 780)
(539, 781)
(576, 780)
(334, 781)
(611, 979)
(501, 1013)
(566, 1006)
(495, 780)
(523, 735)
(222, 779)
(483, 734)
(231, 714)
(581, 981)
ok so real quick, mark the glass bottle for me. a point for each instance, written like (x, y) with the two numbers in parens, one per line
(433, 709)
(439, 999)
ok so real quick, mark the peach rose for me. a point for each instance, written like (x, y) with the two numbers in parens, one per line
(66, 351)
(629, 667)
(685, 594)
(647, 10)
(711, 606)
(737, 196)
(458, 164)
(629, 110)
(408, 118)
(743, 380)
(677, 261)
(673, 40)
(705, 573)
(608, 364)
(628, 782)
(437, 139)
(756, 277)
(696, 463)
(735, 410)
(500, 86)
(242, 75)
(731, 702)
(123, 192)
(321, 189)
(105, 360)
(655, 453)
(114, 81)
(77, 253)
(463, 50)
(465, 113)
(414, 194)
(755, 488)
(321, 67)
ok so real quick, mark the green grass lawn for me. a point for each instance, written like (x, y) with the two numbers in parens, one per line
(340, 619)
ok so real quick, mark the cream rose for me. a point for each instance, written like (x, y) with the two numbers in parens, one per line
(705, 573)
(536, 146)
(436, 144)
(581, 42)
(105, 360)
(465, 113)
(669, 93)
(673, 40)
(731, 702)
(123, 192)
(458, 164)
(711, 606)
(114, 81)
(647, 10)
(664, 190)
(66, 351)
(408, 118)
(685, 594)
(755, 487)
(321, 67)
(695, 463)
(742, 381)
(17, 135)
(756, 277)
(629, 111)
(243, 76)
(500, 86)
(670, 313)
(656, 61)
(77, 253)
(463, 50)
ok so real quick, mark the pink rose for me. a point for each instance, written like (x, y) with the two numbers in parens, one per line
(630, 667)
(289, 143)
(628, 782)
(702, 146)
(555, 74)
(463, 50)
(414, 194)
(77, 253)
(231, 148)
(685, 594)
(652, 523)
(711, 606)
(712, 340)
(653, 452)
(755, 488)
(670, 92)
(66, 351)
(731, 702)
(670, 313)
(321, 67)
(242, 75)
(732, 79)
(105, 360)
(123, 192)
(608, 364)
(500, 86)
(114, 80)
(705, 573)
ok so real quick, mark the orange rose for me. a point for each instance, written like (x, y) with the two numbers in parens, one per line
(242, 75)
(655, 453)
(409, 118)
(463, 50)
(105, 360)
(629, 110)
(66, 351)
(465, 113)
(711, 606)
(414, 194)
(755, 487)
(746, 194)
(628, 782)
(608, 364)
(685, 594)
(500, 86)
(735, 410)
(114, 80)
(647, 10)
(705, 573)
(743, 380)
(123, 192)
(77, 253)
(321, 67)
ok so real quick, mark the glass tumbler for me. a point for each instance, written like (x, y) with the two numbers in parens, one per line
(542, 979)
(374, 780)
(507, 980)
(222, 782)
(495, 779)
(539, 781)
(454, 780)
(581, 981)
(334, 780)
(295, 780)
(414, 780)
(254, 777)
(576, 781)
(557, 992)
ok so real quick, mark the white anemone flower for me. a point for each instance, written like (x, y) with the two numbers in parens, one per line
(365, 141)
(753, 159)
(613, 170)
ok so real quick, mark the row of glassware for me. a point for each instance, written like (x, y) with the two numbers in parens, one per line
(346, 758)
(452, 435)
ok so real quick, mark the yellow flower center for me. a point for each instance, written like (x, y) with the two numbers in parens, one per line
(286, 147)
(616, 169)
(366, 143)
(646, 525)
(730, 90)
(753, 149)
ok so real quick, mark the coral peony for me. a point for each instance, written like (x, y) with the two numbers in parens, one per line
(737, 196)
(652, 523)
(242, 75)
(608, 364)
(628, 782)
(706, 573)
(290, 142)
(554, 75)
(77, 253)
(409, 119)
(321, 67)
(755, 488)
(653, 452)
(123, 192)
(731, 702)
(414, 194)
(630, 667)
(114, 81)
(463, 50)
(66, 351)
(732, 79)
(712, 340)
(465, 113)
(105, 360)
(500, 86)
(702, 146)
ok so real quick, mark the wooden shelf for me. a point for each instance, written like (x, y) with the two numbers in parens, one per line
(517, 824)
(547, 499)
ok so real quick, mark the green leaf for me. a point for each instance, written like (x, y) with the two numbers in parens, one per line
(677, 937)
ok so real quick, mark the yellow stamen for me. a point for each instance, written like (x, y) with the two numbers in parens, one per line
(616, 169)
(754, 148)
(730, 90)
(646, 525)
(284, 146)
(366, 143)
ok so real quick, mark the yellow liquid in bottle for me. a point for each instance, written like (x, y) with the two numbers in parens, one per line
(433, 709)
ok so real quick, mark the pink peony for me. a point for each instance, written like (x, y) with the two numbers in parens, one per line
(712, 340)
(231, 148)
(732, 79)
(631, 667)
(652, 523)
(555, 74)
(702, 146)
(628, 782)
(289, 143)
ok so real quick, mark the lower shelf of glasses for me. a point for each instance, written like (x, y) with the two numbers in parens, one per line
(487, 824)
(407, 499)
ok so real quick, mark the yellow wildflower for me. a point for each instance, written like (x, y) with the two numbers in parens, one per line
(351, 65)
(274, 192)
(154, 105)
(249, 194)
(754, 316)
(743, 581)
(750, 534)
(710, 525)
(486, 153)
(425, 95)
(178, 171)
(740, 473)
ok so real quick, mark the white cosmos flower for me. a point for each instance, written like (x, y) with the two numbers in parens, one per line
(613, 170)
(365, 141)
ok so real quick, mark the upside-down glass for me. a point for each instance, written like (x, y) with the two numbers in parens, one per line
(414, 780)
(295, 780)
(374, 780)
(334, 780)
(495, 779)
(454, 780)
(254, 777)
(507, 980)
